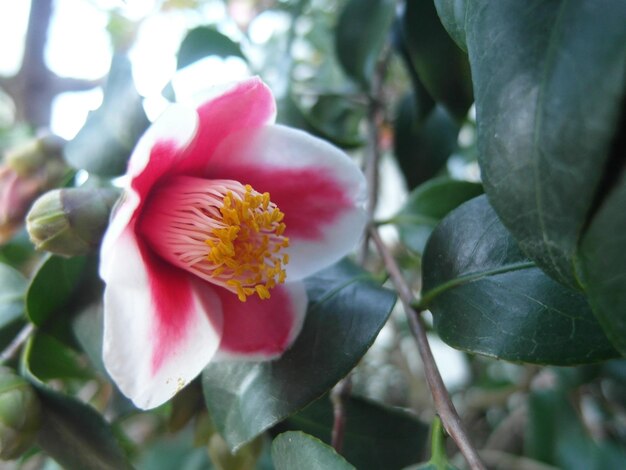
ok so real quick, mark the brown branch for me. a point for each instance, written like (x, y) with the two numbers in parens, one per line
(441, 398)
(375, 117)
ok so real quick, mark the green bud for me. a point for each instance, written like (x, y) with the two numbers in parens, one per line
(71, 221)
(20, 414)
(43, 154)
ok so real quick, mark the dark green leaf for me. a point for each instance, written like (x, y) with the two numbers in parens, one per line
(452, 16)
(294, 449)
(422, 144)
(337, 120)
(105, 143)
(603, 262)
(347, 309)
(427, 205)
(76, 436)
(549, 80)
(18, 250)
(488, 298)
(47, 358)
(52, 285)
(442, 67)
(361, 32)
(205, 41)
(375, 436)
(12, 289)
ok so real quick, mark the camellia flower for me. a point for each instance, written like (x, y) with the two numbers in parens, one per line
(224, 214)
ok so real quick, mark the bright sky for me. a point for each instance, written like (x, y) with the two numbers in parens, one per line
(79, 46)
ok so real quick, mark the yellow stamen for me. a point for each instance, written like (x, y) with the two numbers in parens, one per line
(245, 249)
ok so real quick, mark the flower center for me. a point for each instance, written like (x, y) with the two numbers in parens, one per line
(220, 230)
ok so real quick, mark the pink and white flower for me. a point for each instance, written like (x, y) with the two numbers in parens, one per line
(223, 216)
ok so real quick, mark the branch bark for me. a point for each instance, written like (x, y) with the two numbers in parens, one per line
(443, 404)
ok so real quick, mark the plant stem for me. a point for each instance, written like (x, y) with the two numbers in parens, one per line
(375, 117)
(338, 396)
(441, 398)
(17, 343)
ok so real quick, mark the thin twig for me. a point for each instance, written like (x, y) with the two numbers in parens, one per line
(375, 117)
(338, 397)
(441, 398)
(17, 342)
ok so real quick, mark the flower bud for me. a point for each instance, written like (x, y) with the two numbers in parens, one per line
(26, 172)
(20, 414)
(71, 221)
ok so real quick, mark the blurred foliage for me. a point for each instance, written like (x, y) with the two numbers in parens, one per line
(523, 101)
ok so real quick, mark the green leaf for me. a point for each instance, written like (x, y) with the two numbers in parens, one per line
(375, 436)
(603, 263)
(336, 119)
(54, 282)
(47, 358)
(205, 41)
(488, 298)
(427, 205)
(361, 32)
(422, 145)
(12, 289)
(107, 139)
(442, 67)
(347, 309)
(452, 16)
(549, 82)
(76, 436)
(88, 329)
(294, 449)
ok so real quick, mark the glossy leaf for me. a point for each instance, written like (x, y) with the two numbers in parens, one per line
(603, 263)
(205, 41)
(442, 67)
(294, 449)
(549, 81)
(12, 289)
(452, 15)
(427, 205)
(48, 358)
(375, 436)
(347, 309)
(107, 139)
(52, 285)
(76, 435)
(488, 298)
(422, 145)
(361, 32)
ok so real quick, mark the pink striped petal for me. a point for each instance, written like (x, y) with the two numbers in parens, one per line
(319, 188)
(262, 329)
(161, 327)
(155, 154)
(225, 110)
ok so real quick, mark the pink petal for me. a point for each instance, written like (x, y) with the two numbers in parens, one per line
(157, 150)
(262, 329)
(319, 188)
(161, 327)
(244, 105)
